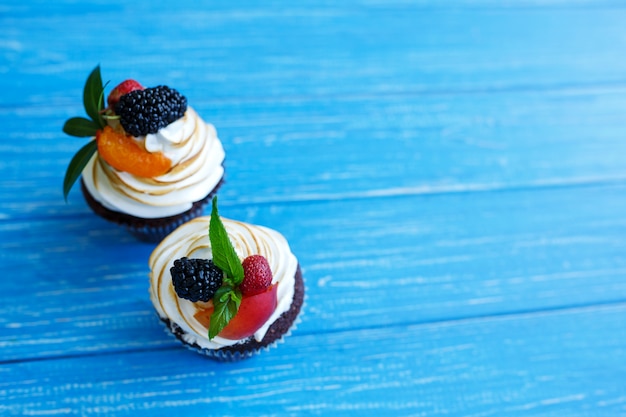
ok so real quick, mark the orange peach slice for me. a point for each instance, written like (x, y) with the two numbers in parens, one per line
(123, 153)
(253, 312)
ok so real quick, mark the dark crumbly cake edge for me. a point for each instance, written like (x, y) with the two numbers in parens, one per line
(245, 349)
(138, 222)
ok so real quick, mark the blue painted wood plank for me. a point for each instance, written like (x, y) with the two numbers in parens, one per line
(394, 261)
(446, 103)
(225, 52)
(311, 150)
(450, 175)
(546, 364)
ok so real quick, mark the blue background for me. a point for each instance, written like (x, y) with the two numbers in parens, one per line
(451, 176)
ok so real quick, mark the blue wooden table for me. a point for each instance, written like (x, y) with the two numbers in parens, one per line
(451, 176)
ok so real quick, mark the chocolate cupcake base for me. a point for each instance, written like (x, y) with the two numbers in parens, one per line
(280, 328)
(149, 230)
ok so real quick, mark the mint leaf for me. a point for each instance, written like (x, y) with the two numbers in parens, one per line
(226, 303)
(228, 293)
(77, 164)
(224, 255)
(93, 97)
(93, 101)
(81, 127)
(227, 298)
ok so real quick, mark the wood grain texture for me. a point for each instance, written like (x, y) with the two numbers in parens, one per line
(221, 50)
(541, 364)
(367, 263)
(491, 97)
(450, 175)
(385, 146)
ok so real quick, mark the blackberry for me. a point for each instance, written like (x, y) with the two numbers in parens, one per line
(146, 111)
(196, 279)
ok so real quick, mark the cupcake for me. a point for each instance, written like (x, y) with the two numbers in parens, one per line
(224, 288)
(151, 163)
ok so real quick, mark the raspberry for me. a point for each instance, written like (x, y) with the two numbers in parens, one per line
(196, 279)
(146, 111)
(257, 275)
(122, 88)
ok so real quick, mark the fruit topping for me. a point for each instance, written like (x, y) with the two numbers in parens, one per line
(139, 111)
(122, 88)
(257, 275)
(245, 298)
(123, 153)
(253, 312)
(146, 111)
(196, 279)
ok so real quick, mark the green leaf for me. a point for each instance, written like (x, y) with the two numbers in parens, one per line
(81, 127)
(236, 296)
(93, 97)
(224, 255)
(223, 293)
(227, 298)
(77, 164)
(226, 303)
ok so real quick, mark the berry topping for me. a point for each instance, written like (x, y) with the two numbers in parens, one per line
(124, 87)
(196, 279)
(123, 153)
(257, 275)
(146, 111)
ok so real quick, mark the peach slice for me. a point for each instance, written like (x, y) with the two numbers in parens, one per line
(253, 312)
(123, 153)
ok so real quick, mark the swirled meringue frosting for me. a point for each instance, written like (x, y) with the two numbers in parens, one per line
(197, 156)
(192, 240)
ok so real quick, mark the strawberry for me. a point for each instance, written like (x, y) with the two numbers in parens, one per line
(257, 275)
(122, 88)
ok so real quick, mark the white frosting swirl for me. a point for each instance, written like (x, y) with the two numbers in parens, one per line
(196, 154)
(192, 240)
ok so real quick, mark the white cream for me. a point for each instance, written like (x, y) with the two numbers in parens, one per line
(196, 154)
(192, 240)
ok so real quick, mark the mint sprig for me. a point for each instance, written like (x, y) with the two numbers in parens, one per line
(80, 127)
(78, 162)
(224, 255)
(93, 101)
(226, 302)
(93, 97)
(227, 298)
